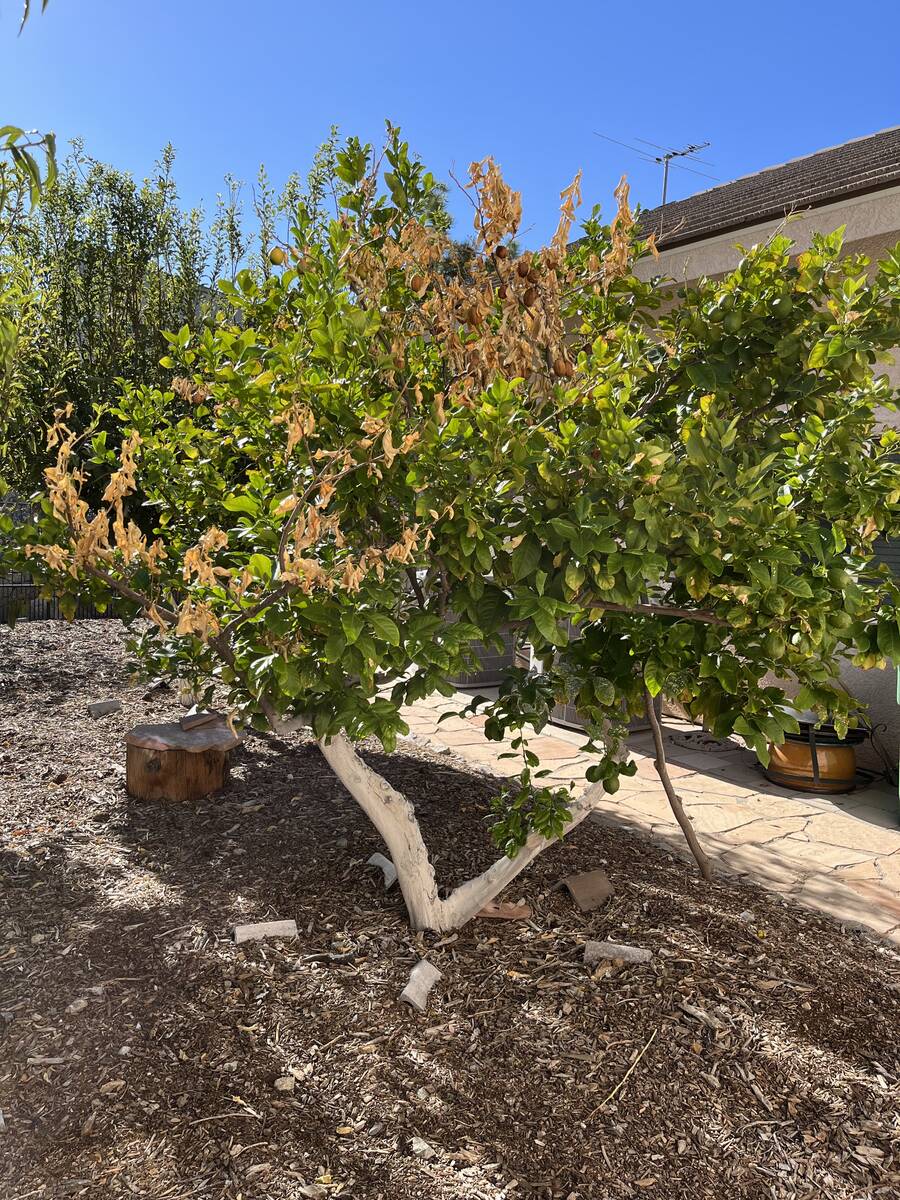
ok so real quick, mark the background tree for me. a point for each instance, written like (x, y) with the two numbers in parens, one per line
(94, 274)
(371, 448)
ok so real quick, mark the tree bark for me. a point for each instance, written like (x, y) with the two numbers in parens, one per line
(395, 819)
(174, 774)
(662, 771)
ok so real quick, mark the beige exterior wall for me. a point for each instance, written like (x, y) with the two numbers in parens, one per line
(872, 227)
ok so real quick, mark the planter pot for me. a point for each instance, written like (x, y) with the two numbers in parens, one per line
(816, 760)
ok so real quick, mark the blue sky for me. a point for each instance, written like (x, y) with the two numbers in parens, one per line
(233, 83)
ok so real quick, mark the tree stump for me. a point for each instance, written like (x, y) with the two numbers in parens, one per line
(166, 762)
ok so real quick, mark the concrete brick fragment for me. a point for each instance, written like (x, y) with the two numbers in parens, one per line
(422, 979)
(265, 929)
(595, 952)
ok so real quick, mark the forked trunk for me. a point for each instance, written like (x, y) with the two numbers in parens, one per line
(395, 819)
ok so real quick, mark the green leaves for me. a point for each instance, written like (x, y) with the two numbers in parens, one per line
(353, 624)
(525, 557)
(260, 565)
(889, 637)
(385, 629)
(241, 504)
(684, 503)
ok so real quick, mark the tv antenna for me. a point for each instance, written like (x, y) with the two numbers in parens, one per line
(665, 159)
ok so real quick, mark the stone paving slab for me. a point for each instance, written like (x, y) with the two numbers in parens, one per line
(837, 854)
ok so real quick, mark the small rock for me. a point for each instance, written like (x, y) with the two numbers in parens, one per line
(285, 1083)
(595, 952)
(388, 870)
(422, 979)
(265, 929)
(77, 1006)
(421, 1148)
(746, 916)
(2, 1122)
(100, 708)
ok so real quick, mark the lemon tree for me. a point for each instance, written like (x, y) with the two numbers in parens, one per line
(378, 464)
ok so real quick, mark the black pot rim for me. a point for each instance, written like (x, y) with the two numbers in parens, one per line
(826, 735)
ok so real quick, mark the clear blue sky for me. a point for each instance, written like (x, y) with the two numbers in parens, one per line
(232, 83)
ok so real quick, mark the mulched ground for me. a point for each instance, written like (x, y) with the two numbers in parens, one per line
(139, 1046)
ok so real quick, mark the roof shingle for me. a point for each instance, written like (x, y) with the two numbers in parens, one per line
(864, 165)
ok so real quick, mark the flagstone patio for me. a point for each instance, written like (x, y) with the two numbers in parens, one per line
(837, 854)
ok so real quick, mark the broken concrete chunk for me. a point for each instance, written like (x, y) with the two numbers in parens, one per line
(746, 916)
(590, 889)
(421, 1148)
(77, 1006)
(387, 869)
(422, 979)
(265, 929)
(595, 952)
(100, 708)
(285, 1083)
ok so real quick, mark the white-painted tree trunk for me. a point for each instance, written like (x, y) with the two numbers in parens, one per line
(395, 819)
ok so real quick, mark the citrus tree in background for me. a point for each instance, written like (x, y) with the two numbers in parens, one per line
(380, 463)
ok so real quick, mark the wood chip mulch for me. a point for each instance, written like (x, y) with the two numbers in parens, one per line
(140, 1047)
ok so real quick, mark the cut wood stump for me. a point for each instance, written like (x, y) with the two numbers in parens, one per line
(166, 762)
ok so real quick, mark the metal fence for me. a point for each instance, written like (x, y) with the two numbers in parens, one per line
(20, 601)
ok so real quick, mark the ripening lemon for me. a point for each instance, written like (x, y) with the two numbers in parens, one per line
(277, 256)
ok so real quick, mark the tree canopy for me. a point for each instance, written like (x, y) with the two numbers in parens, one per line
(370, 464)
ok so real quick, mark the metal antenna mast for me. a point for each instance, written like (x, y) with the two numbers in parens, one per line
(664, 159)
(667, 157)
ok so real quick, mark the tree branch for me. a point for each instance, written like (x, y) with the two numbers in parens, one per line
(416, 586)
(129, 593)
(662, 771)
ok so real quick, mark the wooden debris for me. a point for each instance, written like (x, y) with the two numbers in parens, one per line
(590, 889)
(503, 910)
(388, 870)
(422, 979)
(193, 720)
(265, 929)
(702, 1016)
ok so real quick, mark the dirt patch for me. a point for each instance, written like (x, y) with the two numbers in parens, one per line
(139, 1047)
